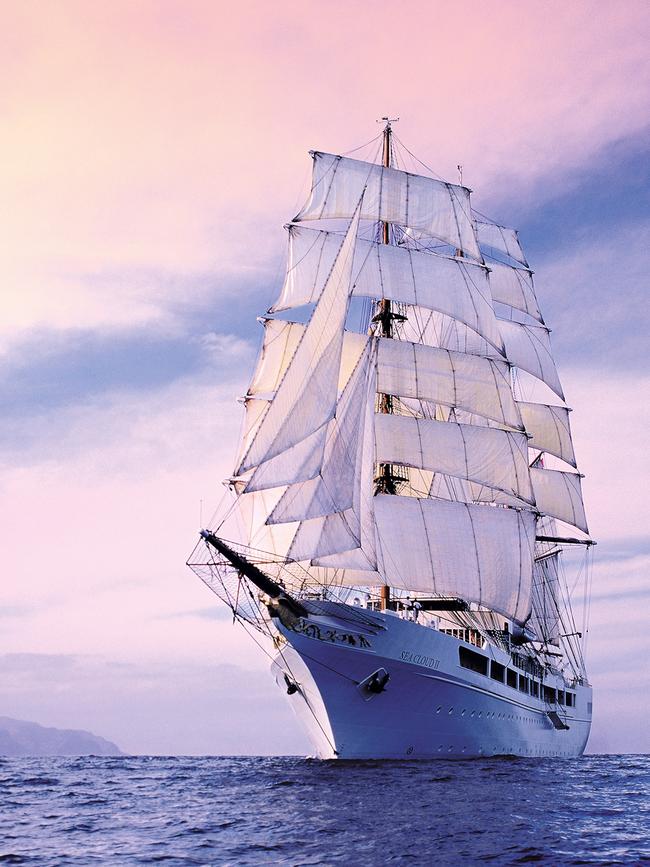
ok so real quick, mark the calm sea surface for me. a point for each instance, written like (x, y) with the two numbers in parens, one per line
(243, 811)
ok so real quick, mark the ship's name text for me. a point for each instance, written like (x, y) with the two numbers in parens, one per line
(419, 659)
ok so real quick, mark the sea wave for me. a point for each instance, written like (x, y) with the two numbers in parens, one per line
(293, 811)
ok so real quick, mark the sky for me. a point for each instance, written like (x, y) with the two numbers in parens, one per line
(151, 153)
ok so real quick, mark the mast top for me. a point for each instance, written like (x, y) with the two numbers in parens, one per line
(388, 121)
(386, 159)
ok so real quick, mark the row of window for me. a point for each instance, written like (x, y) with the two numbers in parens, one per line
(490, 668)
(525, 663)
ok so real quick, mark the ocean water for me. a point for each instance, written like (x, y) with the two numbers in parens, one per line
(245, 811)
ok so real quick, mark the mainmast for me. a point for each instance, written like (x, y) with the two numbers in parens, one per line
(387, 480)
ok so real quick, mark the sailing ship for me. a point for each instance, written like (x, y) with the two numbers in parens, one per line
(406, 484)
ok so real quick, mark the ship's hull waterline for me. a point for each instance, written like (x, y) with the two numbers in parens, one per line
(430, 707)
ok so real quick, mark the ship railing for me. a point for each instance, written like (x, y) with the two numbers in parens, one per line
(467, 634)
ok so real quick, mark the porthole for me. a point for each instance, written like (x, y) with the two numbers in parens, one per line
(451, 710)
(439, 708)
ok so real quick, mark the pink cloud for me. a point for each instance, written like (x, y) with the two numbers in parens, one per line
(174, 135)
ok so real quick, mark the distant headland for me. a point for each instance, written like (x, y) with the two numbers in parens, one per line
(22, 738)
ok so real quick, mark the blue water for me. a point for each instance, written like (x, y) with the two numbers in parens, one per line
(244, 811)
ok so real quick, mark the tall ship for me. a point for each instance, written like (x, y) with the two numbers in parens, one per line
(404, 533)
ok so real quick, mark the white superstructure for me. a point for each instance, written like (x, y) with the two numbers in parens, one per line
(406, 478)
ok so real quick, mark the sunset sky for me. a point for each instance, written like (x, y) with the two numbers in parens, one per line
(151, 153)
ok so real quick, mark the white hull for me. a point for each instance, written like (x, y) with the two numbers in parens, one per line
(431, 707)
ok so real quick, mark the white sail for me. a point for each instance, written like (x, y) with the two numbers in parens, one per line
(455, 379)
(311, 379)
(364, 501)
(559, 495)
(300, 461)
(439, 209)
(556, 494)
(432, 328)
(279, 344)
(500, 238)
(248, 524)
(549, 428)
(514, 286)
(254, 410)
(351, 529)
(328, 534)
(310, 499)
(483, 554)
(330, 573)
(456, 287)
(249, 518)
(357, 569)
(545, 619)
(487, 455)
(529, 347)
(332, 490)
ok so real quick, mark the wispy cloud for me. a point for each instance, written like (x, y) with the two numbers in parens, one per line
(63, 371)
(595, 294)
(126, 174)
(100, 515)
